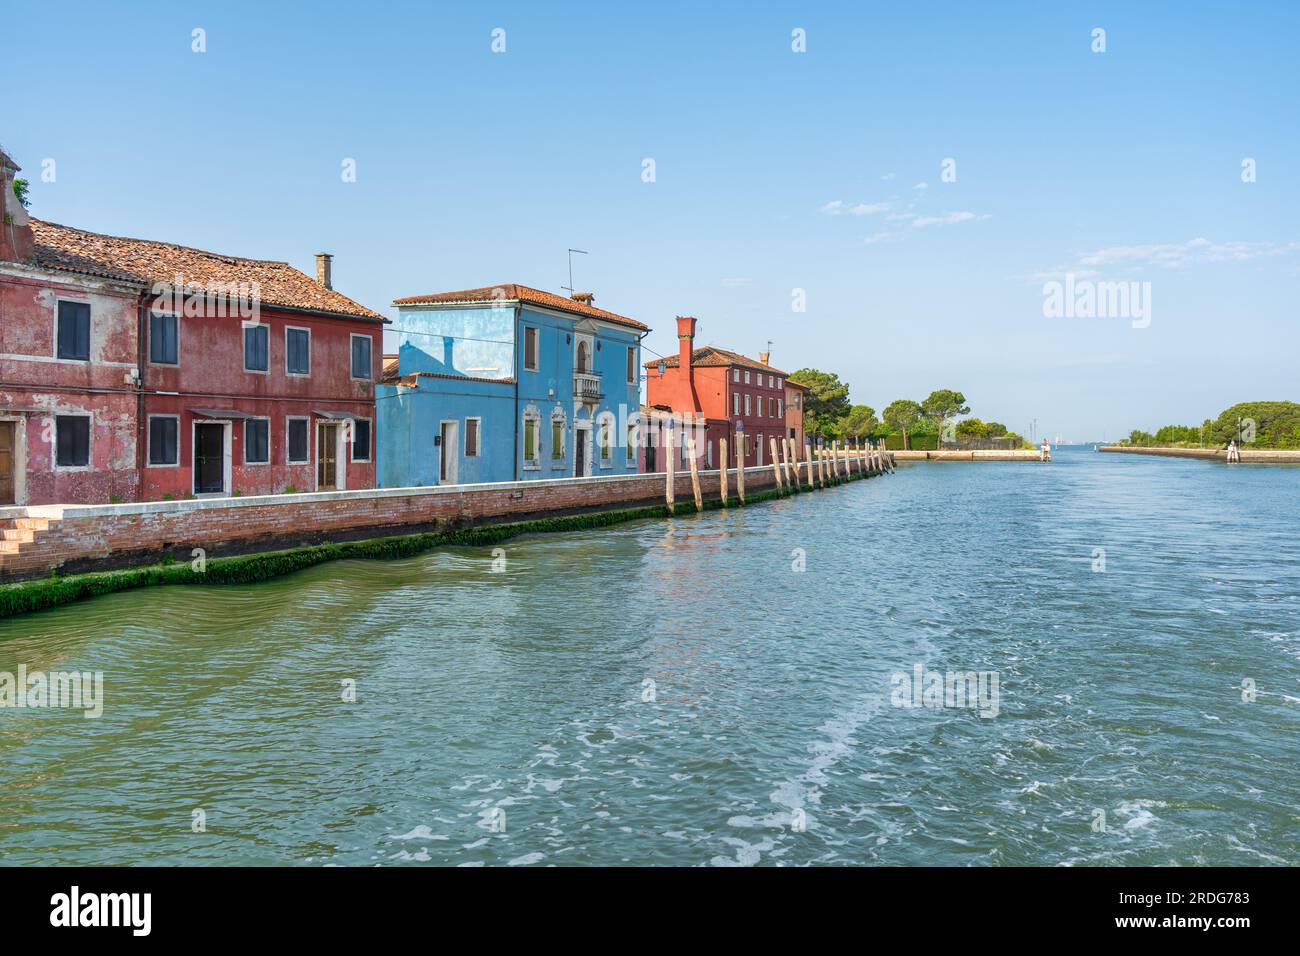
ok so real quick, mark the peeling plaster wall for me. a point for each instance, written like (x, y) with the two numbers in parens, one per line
(36, 386)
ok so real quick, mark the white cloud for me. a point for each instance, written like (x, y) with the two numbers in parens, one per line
(879, 237)
(1177, 255)
(950, 219)
(839, 207)
(921, 186)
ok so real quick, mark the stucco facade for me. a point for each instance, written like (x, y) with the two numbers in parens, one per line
(748, 394)
(553, 393)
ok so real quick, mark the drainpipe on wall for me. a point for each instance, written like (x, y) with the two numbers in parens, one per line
(141, 423)
(519, 355)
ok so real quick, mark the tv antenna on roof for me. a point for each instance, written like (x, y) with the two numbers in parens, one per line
(569, 287)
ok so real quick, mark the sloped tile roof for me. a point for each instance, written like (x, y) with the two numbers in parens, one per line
(511, 292)
(713, 356)
(142, 260)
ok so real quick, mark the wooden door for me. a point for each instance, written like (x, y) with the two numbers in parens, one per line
(8, 461)
(326, 456)
(580, 452)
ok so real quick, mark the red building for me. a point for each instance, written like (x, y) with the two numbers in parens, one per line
(140, 370)
(735, 395)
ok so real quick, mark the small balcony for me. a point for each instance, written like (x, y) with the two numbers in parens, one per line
(586, 387)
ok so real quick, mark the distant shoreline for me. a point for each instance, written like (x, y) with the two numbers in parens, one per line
(1290, 456)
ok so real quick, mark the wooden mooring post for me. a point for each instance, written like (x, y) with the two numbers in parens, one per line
(740, 468)
(776, 466)
(722, 472)
(668, 468)
(695, 475)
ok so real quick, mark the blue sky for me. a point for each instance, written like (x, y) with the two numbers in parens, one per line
(775, 171)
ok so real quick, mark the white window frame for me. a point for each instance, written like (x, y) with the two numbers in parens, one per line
(633, 440)
(90, 331)
(478, 437)
(288, 444)
(746, 376)
(735, 403)
(90, 436)
(352, 434)
(780, 408)
(149, 345)
(243, 348)
(559, 461)
(532, 419)
(148, 437)
(632, 366)
(605, 439)
(355, 335)
(306, 374)
(735, 375)
(244, 441)
(748, 406)
(537, 348)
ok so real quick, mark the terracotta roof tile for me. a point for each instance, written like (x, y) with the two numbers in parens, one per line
(142, 260)
(712, 356)
(412, 379)
(511, 292)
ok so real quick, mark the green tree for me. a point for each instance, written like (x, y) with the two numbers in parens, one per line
(995, 429)
(942, 405)
(1274, 425)
(972, 429)
(825, 404)
(860, 422)
(20, 190)
(902, 416)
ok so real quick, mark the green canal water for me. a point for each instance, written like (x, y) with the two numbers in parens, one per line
(507, 718)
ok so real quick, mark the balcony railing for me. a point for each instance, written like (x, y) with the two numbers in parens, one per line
(586, 386)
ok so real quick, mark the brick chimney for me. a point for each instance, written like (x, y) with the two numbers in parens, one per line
(17, 244)
(323, 261)
(584, 298)
(765, 357)
(686, 344)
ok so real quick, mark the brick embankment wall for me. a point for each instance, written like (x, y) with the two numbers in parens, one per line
(1016, 454)
(1248, 455)
(76, 538)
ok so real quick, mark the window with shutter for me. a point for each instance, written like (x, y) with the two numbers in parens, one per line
(256, 354)
(163, 433)
(74, 331)
(72, 441)
(471, 436)
(163, 333)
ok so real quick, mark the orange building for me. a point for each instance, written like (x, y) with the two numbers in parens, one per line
(733, 394)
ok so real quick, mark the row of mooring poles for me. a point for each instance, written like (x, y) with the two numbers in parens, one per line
(826, 465)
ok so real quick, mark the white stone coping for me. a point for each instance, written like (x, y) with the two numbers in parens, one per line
(68, 512)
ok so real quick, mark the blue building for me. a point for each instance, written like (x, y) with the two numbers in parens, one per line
(508, 383)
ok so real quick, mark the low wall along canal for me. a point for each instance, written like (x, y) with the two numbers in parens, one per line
(1274, 456)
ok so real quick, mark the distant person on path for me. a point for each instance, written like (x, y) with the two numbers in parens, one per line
(1045, 451)
(1234, 453)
